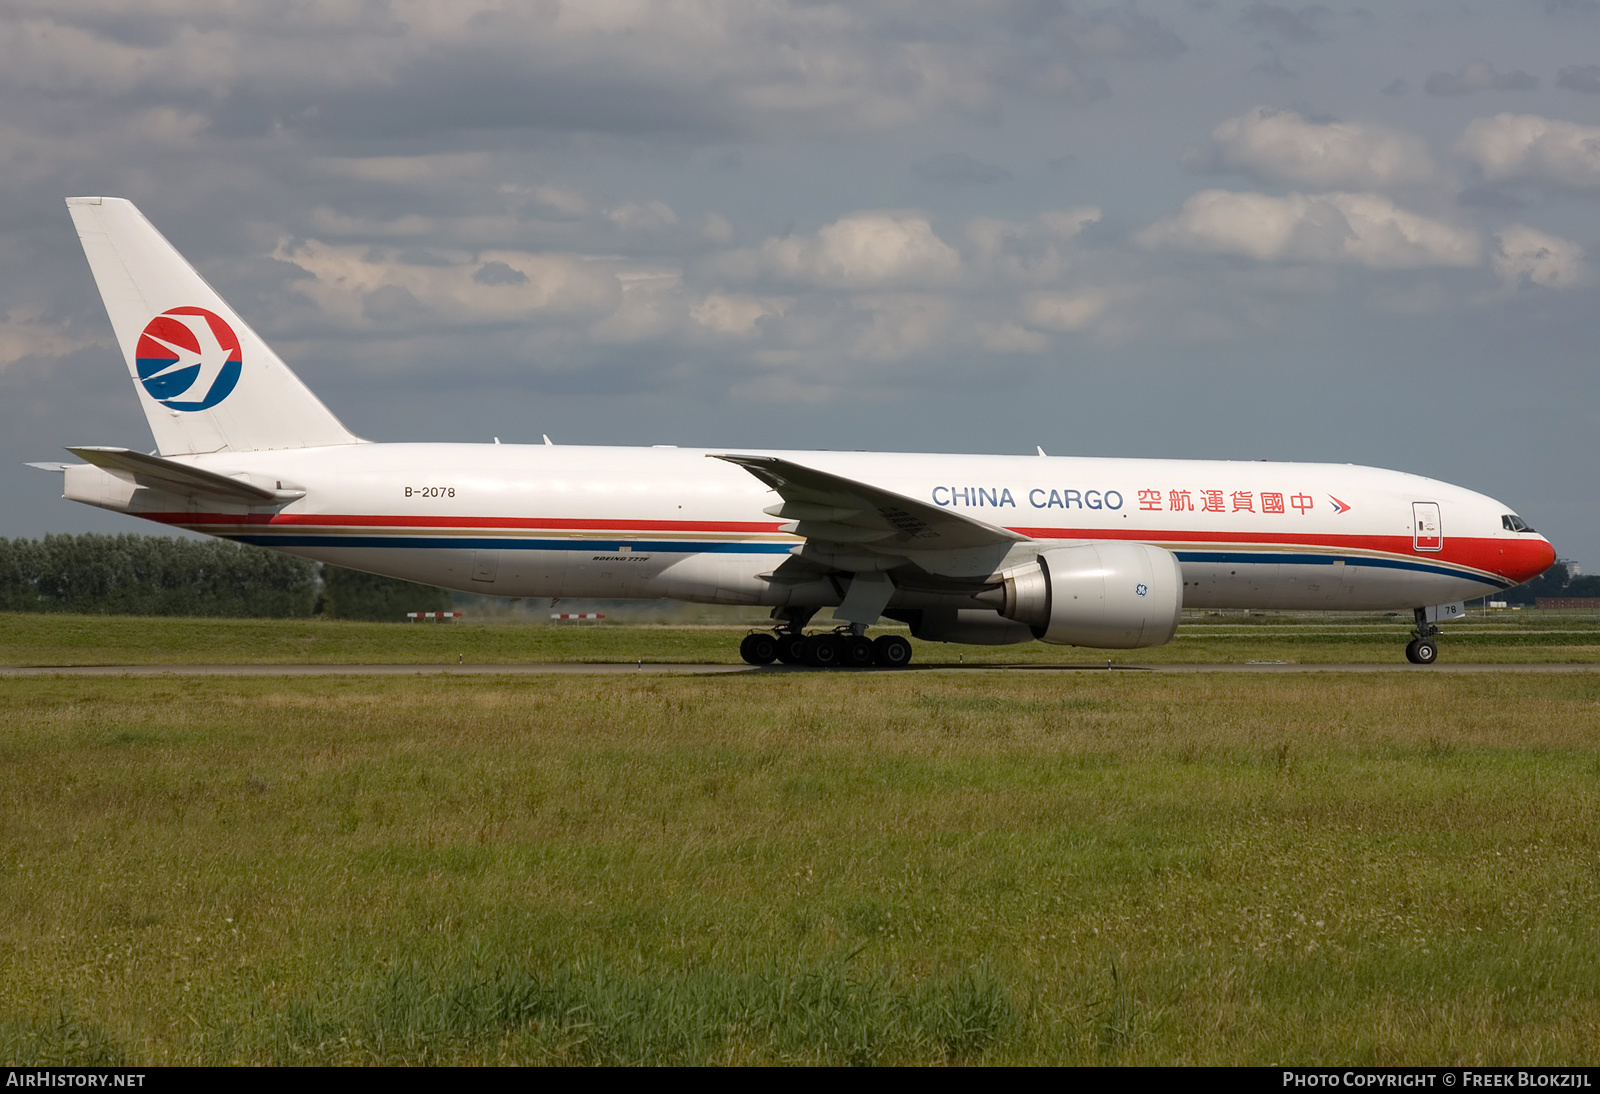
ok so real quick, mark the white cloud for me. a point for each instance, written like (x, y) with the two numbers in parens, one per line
(648, 217)
(1477, 76)
(1510, 146)
(1031, 253)
(865, 250)
(1528, 256)
(562, 200)
(1011, 338)
(24, 334)
(444, 170)
(1059, 311)
(367, 287)
(717, 229)
(651, 308)
(1283, 146)
(734, 314)
(1364, 229)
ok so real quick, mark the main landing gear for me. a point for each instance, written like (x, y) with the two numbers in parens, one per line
(1424, 648)
(843, 648)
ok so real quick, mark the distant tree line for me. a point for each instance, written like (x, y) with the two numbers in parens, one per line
(160, 575)
(1553, 582)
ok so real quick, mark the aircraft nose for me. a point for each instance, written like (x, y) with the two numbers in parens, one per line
(1528, 557)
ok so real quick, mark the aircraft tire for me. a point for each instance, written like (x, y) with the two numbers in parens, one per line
(859, 652)
(759, 649)
(1422, 651)
(822, 651)
(891, 651)
(791, 647)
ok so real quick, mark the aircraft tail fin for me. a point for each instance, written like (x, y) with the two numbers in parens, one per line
(206, 381)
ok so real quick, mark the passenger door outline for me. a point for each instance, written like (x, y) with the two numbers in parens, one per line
(1427, 534)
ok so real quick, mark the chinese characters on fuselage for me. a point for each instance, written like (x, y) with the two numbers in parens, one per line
(1153, 501)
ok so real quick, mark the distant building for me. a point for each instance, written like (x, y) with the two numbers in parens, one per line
(1573, 568)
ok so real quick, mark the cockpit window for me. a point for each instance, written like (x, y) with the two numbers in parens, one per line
(1513, 523)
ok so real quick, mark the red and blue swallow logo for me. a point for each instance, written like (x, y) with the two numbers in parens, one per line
(188, 359)
(1338, 506)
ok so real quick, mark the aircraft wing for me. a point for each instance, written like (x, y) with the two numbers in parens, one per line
(852, 525)
(178, 478)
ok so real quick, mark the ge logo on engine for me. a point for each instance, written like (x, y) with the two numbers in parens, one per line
(1141, 589)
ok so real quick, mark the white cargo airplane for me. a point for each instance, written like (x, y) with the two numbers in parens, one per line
(979, 549)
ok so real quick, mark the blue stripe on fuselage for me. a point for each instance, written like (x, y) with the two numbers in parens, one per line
(1247, 558)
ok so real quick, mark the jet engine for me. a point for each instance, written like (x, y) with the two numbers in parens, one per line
(1110, 595)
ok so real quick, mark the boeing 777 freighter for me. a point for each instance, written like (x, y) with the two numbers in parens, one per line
(979, 549)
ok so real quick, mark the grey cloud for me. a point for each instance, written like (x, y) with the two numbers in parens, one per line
(1396, 86)
(1273, 66)
(1584, 78)
(1301, 26)
(1105, 32)
(954, 169)
(391, 305)
(1478, 76)
(1124, 33)
(1497, 198)
(498, 273)
(734, 70)
(413, 256)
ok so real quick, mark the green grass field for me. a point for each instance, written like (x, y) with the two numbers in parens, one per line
(41, 639)
(819, 867)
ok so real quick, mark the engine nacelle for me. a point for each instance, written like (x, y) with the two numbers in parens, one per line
(969, 626)
(1111, 595)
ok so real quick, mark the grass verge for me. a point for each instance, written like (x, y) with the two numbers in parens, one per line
(882, 868)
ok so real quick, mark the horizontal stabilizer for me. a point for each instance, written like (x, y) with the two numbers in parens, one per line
(180, 478)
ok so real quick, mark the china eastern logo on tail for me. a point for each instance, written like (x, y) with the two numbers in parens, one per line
(188, 359)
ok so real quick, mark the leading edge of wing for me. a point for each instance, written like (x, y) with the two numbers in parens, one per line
(857, 526)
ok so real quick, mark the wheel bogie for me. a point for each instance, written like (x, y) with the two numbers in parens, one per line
(837, 649)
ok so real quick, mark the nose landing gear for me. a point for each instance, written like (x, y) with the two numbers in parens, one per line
(1423, 649)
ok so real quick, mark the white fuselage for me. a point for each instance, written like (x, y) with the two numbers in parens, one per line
(575, 521)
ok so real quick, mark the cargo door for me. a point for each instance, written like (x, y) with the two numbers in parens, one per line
(1427, 534)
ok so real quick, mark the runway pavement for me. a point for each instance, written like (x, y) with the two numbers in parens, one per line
(668, 669)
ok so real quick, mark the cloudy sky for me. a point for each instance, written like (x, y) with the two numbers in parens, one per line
(1209, 229)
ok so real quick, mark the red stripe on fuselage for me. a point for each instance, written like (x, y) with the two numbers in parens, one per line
(1513, 559)
(365, 520)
